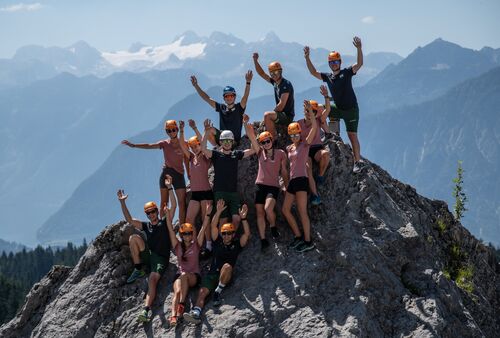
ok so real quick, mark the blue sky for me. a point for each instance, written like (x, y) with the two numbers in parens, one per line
(390, 25)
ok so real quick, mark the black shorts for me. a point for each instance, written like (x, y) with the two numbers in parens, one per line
(198, 279)
(298, 184)
(177, 179)
(314, 149)
(263, 191)
(199, 196)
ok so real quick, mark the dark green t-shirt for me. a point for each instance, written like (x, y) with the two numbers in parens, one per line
(231, 118)
(340, 86)
(226, 170)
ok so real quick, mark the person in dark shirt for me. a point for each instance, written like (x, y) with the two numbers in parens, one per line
(225, 162)
(226, 251)
(284, 111)
(152, 254)
(339, 82)
(231, 114)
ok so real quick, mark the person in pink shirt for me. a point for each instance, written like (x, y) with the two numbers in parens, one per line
(298, 153)
(173, 166)
(317, 151)
(187, 251)
(272, 163)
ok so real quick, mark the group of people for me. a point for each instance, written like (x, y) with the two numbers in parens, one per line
(217, 237)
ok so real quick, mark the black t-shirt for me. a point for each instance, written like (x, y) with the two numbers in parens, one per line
(284, 86)
(157, 237)
(223, 254)
(226, 170)
(341, 88)
(230, 119)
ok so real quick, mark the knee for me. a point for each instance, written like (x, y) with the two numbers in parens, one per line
(325, 156)
(269, 211)
(154, 277)
(134, 239)
(260, 212)
(226, 268)
(285, 210)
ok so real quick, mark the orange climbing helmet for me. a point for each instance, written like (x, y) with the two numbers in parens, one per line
(149, 206)
(193, 141)
(334, 56)
(294, 128)
(228, 227)
(264, 135)
(314, 105)
(170, 124)
(273, 66)
(186, 227)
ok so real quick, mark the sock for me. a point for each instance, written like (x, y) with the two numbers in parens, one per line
(208, 245)
(274, 231)
(220, 287)
(197, 309)
(138, 266)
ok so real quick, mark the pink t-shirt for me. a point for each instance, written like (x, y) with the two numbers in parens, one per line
(269, 168)
(190, 263)
(173, 155)
(298, 159)
(198, 169)
(305, 131)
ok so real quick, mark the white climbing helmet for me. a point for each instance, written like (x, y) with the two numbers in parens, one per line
(226, 135)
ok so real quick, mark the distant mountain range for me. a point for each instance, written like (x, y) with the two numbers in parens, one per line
(9, 247)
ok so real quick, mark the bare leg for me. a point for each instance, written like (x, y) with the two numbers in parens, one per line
(208, 235)
(270, 214)
(192, 211)
(310, 178)
(154, 277)
(236, 221)
(356, 148)
(187, 280)
(176, 296)
(287, 212)
(202, 295)
(301, 197)
(136, 245)
(269, 118)
(323, 157)
(181, 201)
(261, 221)
(225, 273)
(163, 200)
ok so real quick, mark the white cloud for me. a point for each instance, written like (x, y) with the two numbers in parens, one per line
(22, 7)
(368, 20)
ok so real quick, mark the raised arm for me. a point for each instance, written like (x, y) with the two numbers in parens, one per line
(122, 197)
(203, 95)
(206, 222)
(248, 79)
(204, 149)
(221, 206)
(171, 234)
(193, 126)
(359, 61)
(251, 135)
(259, 69)
(182, 141)
(171, 198)
(314, 123)
(141, 145)
(309, 64)
(246, 228)
(326, 111)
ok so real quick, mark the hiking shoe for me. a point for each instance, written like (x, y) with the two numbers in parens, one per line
(216, 299)
(319, 180)
(264, 244)
(315, 200)
(135, 275)
(144, 316)
(304, 246)
(274, 232)
(192, 317)
(205, 254)
(358, 166)
(173, 321)
(295, 243)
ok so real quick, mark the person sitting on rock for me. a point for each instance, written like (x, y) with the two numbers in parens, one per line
(225, 163)
(346, 105)
(298, 153)
(231, 114)
(154, 253)
(284, 111)
(317, 151)
(272, 163)
(187, 251)
(226, 251)
(201, 192)
(173, 166)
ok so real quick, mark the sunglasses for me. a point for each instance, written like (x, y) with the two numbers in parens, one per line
(149, 212)
(189, 233)
(275, 73)
(226, 141)
(335, 62)
(230, 95)
(171, 130)
(294, 135)
(227, 233)
(265, 141)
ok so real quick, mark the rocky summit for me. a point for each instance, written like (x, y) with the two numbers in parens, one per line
(387, 263)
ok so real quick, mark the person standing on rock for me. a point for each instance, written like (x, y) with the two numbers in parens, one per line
(298, 153)
(173, 166)
(339, 82)
(154, 253)
(231, 114)
(317, 151)
(226, 251)
(225, 163)
(284, 111)
(199, 164)
(272, 164)
(187, 251)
